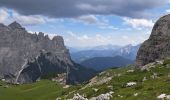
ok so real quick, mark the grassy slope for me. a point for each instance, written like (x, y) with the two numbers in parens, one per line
(148, 89)
(43, 90)
(47, 90)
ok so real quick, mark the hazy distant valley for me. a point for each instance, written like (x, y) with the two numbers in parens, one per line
(105, 56)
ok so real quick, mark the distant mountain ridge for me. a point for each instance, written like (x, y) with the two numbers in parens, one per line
(102, 63)
(86, 54)
(99, 47)
(106, 47)
(128, 51)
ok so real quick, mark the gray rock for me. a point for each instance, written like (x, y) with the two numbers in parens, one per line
(26, 57)
(157, 47)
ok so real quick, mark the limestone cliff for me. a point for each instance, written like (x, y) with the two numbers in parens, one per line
(157, 47)
(26, 57)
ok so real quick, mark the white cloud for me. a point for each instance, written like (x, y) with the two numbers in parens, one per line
(168, 11)
(89, 19)
(129, 40)
(139, 23)
(7, 16)
(3, 15)
(85, 40)
(134, 40)
(28, 20)
(125, 37)
(101, 23)
(108, 27)
(73, 39)
(83, 37)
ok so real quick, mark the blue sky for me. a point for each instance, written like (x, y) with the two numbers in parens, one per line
(87, 23)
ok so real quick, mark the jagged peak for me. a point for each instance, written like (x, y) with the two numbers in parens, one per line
(41, 34)
(15, 25)
(2, 25)
(164, 16)
(58, 38)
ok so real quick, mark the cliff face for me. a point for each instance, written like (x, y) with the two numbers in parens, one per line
(26, 57)
(157, 47)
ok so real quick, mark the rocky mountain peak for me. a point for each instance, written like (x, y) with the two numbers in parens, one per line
(58, 39)
(157, 47)
(15, 25)
(162, 27)
(2, 25)
(26, 57)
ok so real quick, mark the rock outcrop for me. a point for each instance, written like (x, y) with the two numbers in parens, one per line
(157, 47)
(26, 57)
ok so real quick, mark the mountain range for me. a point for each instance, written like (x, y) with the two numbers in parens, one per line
(103, 57)
(128, 51)
(103, 63)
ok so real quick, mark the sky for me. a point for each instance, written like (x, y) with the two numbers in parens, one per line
(85, 23)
